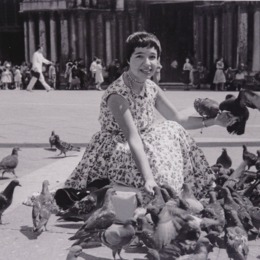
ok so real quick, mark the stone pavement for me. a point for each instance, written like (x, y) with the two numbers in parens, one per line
(27, 120)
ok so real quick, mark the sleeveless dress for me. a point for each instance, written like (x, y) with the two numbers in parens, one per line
(173, 154)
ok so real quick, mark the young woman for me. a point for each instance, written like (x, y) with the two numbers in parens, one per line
(130, 148)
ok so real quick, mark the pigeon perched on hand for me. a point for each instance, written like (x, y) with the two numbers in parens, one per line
(206, 107)
(118, 236)
(6, 197)
(237, 108)
(248, 157)
(224, 159)
(63, 146)
(41, 211)
(10, 162)
(52, 139)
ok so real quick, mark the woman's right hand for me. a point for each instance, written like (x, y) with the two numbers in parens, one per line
(149, 185)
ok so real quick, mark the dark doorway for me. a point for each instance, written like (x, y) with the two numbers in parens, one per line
(173, 25)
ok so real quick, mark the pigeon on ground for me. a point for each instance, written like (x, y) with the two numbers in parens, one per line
(41, 210)
(251, 99)
(238, 109)
(52, 139)
(6, 197)
(100, 219)
(10, 162)
(118, 236)
(63, 146)
(74, 252)
(187, 194)
(224, 159)
(206, 107)
(236, 238)
(248, 157)
(254, 212)
(257, 163)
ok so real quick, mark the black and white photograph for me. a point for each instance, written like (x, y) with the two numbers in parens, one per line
(129, 129)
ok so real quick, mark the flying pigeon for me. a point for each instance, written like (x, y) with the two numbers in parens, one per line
(10, 162)
(251, 99)
(63, 146)
(6, 197)
(236, 106)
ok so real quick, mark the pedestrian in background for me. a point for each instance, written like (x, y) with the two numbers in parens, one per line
(52, 75)
(219, 78)
(99, 79)
(7, 77)
(93, 70)
(17, 78)
(186, 71)
(37, 62)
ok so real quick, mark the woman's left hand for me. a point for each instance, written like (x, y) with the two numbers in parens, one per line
(149, 185)
(225, 118)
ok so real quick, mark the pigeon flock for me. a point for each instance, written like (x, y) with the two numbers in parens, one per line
(171, 226)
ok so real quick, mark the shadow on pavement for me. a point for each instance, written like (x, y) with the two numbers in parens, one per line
(69, 225)
(28, 232)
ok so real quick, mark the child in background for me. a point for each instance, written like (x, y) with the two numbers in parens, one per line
(52, 75)
(17, 78)
(99, 75)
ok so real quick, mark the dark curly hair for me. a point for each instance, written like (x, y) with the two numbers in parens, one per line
(142, 40)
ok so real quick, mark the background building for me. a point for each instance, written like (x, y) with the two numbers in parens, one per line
(72, 29)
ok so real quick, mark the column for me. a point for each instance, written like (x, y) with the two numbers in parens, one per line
(32, 45)
(64, 32)
(108, 43)
(209, 41)
(42, 32)
(120, 18)
(228, 35)
(256, 40)
(93, 35)
(81, 34)
(201, 56)
(53, 37)
(100, 36)
(113, 38)
(196, 35)
(133, 21)
(242, 33)
(73, 50)
(26, 40)
(216, 37)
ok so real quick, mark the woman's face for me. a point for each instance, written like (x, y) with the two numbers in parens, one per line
(143, 63)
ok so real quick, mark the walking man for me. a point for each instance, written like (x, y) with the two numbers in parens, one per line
(37, 61)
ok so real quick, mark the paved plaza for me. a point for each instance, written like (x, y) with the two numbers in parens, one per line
(27, 120)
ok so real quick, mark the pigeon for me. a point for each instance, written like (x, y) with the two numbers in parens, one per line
(52, 139)
(187, 194)
(251, 99)
(74, 252)
(10, 162)
(6, 197)
(206, 107)
(41, 210)
(248, 157)
(82, 209)
(118, 236)
(254, 212)
(236, 237)
(224, 159)
(202, 248)
(238, 109)
(63, 146)
(257, 163)
(100, 219)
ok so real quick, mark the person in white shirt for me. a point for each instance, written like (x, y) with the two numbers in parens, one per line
(93, 69)
(37, 61)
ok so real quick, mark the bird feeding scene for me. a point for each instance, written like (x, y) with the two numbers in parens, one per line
(108, 220)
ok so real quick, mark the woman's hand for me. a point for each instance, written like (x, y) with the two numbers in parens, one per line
(225, 118)
(149, 185)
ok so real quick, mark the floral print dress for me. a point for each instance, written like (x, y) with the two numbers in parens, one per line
(172, 153)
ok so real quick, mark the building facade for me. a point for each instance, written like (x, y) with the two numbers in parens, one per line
(72, 29)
